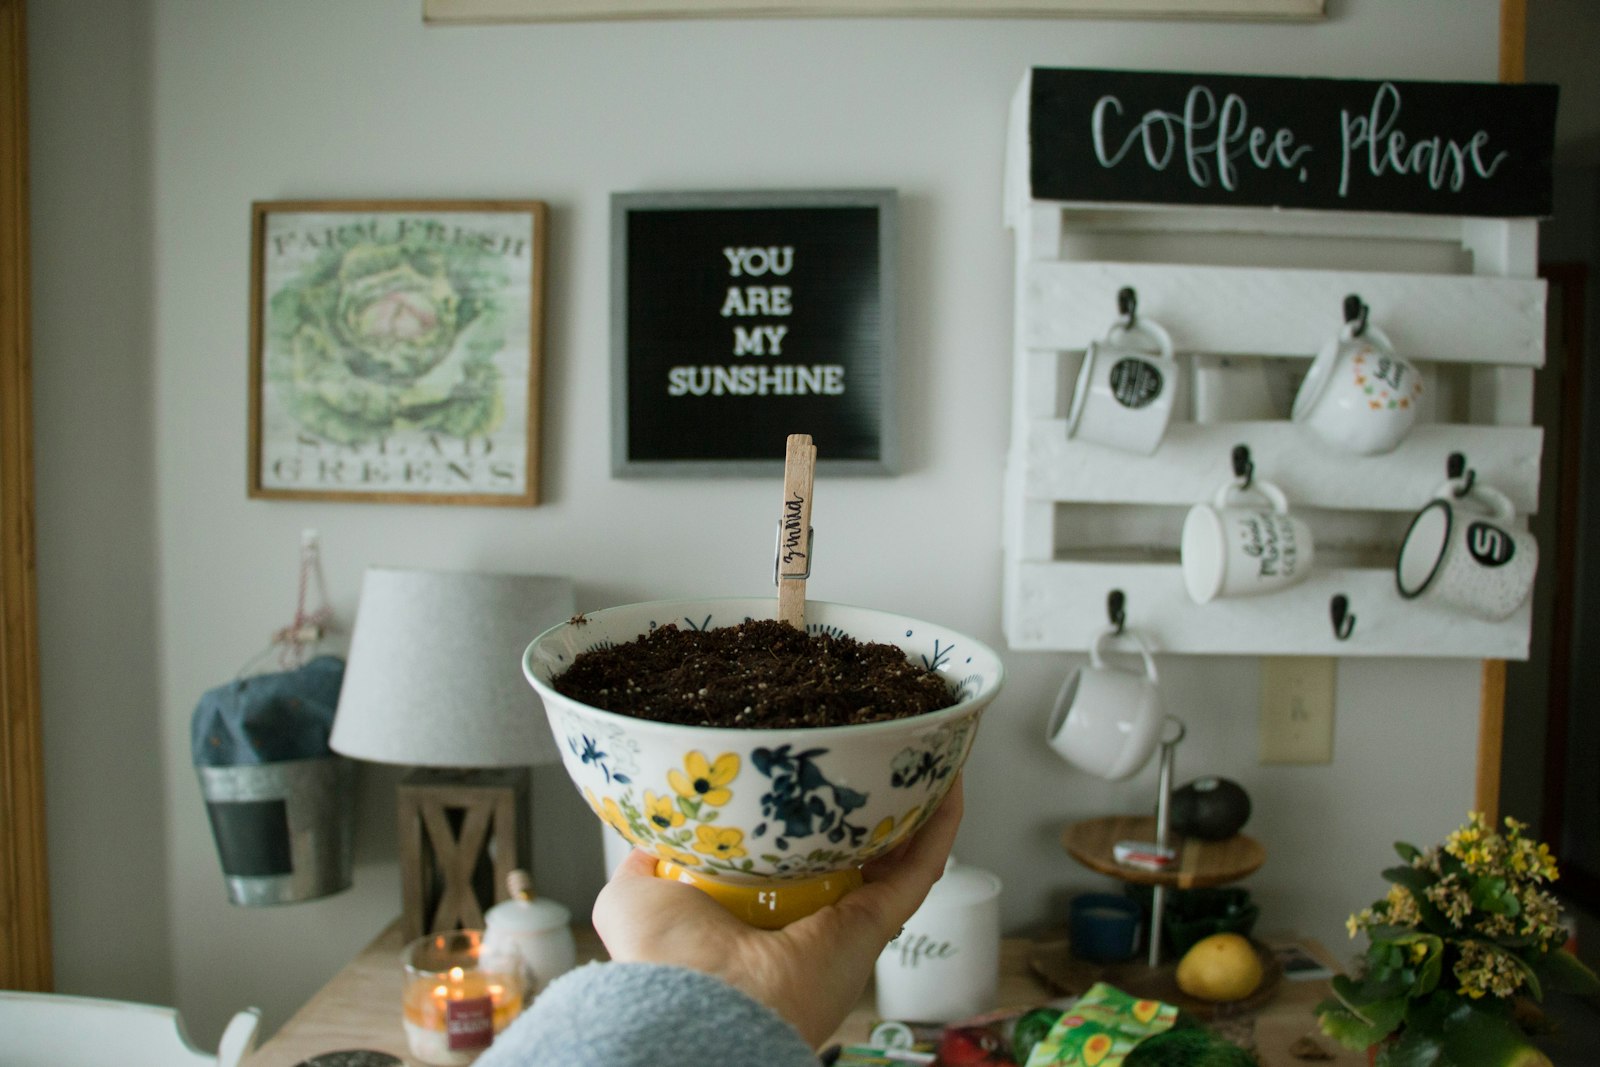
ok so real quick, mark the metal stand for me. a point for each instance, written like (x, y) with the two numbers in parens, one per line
(1158, 900)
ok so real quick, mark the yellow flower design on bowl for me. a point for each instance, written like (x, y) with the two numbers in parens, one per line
(674, 855)
(661, 812)
(611, 815)
(722, 842)
(703, 780)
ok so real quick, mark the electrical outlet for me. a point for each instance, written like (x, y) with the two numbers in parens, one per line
(1297, 709)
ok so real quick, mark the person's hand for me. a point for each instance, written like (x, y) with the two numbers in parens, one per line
(811, 972)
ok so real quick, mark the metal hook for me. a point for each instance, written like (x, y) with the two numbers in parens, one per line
(1344, 623)
(1356, 310)
(1456, 467)
(1244, 467)
(1128, 303)
(1117, 608)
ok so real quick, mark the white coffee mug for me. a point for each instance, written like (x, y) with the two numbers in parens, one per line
(1231, 549)
(1359, 395)
(1463, 552)
(945, 964)
(1123, 397)
(1107, 720)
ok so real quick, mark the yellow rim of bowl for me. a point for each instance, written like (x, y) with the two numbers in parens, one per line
(771, 906)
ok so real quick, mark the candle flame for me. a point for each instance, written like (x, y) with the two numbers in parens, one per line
(456, 974)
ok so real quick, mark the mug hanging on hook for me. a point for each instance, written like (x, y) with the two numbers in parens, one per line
(1360, 395)
(1107, 720)
(1126, 385)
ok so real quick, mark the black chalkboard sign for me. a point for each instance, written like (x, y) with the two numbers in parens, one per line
(741, 318)
(1434, 148)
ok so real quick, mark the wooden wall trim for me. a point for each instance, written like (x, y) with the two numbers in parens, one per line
(1492, 692)
(25, 960)
(1513, 40)
(1491, 737)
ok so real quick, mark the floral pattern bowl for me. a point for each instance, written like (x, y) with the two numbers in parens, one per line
(738, 808)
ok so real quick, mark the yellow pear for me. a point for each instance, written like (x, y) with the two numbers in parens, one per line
(1221, 967)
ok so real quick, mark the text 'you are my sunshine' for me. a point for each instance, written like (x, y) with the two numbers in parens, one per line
(758, 310)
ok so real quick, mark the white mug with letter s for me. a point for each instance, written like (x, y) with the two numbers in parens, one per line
(1106, 719)
(1359, 395)
(945, 963)
(1232, 549)
(1463, 552)
(1124, 394)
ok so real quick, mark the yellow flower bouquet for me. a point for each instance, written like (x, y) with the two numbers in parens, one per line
(1466, 928)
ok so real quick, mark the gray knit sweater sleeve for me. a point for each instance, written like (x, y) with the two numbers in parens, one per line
(646, 1015)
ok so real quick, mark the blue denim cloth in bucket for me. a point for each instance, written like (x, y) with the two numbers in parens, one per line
(268, 717)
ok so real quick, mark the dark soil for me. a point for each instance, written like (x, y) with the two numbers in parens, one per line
(756, 675)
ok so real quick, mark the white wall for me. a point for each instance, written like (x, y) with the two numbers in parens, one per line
(157, 122)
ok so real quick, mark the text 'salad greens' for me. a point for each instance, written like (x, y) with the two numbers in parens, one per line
(1467, 929)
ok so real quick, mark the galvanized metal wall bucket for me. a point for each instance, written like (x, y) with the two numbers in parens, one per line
(284, 830)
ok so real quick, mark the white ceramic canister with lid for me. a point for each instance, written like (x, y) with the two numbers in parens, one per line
(945, 965)
(535, 931)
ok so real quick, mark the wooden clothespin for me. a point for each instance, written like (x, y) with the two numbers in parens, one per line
(792, 566)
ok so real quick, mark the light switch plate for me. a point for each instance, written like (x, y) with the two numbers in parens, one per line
(1297, 709)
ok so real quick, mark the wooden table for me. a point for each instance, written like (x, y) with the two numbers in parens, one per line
(360, 1008)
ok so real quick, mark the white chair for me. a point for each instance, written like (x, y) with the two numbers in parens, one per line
(54, 1030)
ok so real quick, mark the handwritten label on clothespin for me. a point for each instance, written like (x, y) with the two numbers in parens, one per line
(794, 529)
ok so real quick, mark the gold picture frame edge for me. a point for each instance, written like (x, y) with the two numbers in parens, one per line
(490, 12)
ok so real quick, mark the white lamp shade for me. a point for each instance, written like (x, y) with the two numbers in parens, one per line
(434, 676)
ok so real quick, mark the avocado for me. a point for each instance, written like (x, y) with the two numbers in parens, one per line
(1197, 1047)
(1210, 809)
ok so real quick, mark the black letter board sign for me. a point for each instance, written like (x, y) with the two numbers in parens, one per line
(738, 319)
(1430, 148)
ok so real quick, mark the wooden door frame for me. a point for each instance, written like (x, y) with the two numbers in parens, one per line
(25, 959)
(1492, 687)
(1580, 881)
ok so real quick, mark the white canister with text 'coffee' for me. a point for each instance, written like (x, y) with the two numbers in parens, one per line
(945, 965)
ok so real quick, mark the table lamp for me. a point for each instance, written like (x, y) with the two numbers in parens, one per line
(434, 682)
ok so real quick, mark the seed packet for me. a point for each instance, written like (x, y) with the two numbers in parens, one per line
(1101, 1029)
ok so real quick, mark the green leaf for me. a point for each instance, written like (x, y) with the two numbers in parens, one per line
(1534, 986)
(1360, 1030)
(1425, 973)
(1409, 853)
(1412, 1049)
(1413, 879)
(1384, 1012)
(1569, 974)
(1489, 894)
(1478, 1039)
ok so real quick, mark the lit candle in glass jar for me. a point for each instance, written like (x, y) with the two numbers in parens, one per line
(451, 1008)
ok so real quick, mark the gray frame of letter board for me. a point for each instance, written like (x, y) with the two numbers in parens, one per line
(886, 203)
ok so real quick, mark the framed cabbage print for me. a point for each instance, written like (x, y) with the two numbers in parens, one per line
(395, 350)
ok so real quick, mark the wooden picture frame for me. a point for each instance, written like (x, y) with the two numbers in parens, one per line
(395, 350)
(493, 11)
(739, 318)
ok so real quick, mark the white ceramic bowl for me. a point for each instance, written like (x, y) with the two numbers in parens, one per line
(755, 807)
